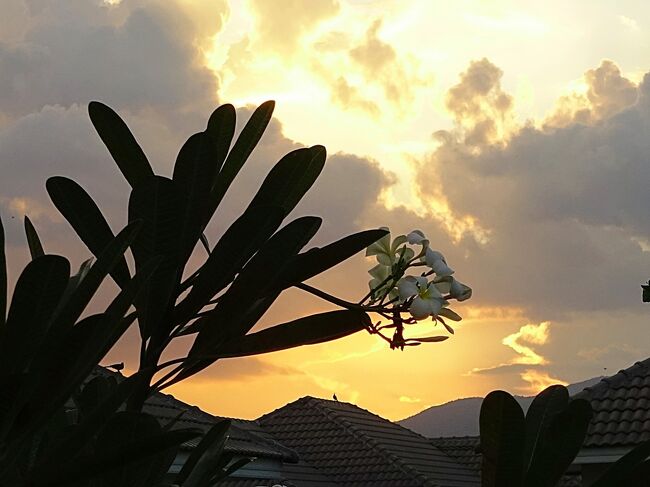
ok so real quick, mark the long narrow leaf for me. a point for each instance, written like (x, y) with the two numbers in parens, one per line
(291, 178)
(36, 296)
(268, 264)
(246, 142)
(210, 447)
(615, 475)
(308, 330)
(221, 128)
(106, 261)
(317, 260)
(195, 168)
(33, 242)
(86, 218)
(237, 245)
(3, 277)
(120, 143)
(158, 204)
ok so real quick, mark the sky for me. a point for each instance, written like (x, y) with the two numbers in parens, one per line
(515, 135)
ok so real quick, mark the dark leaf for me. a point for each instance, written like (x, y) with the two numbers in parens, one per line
(194, 171)
(435, 339)
(317, 260)
(546, 406)
(246, 142)
(120, 143)
(502, 427)
(33, 242)
(616, 474)
(36, 296)
(221, 128)
(3, 277)
(158, 203)
(200, 465)
(87, 220)
(256, 281)
(127, 453)
(70, 357)
(308, 330)
(108, 258)
(291, 178)
(560, 444)
(237, 245)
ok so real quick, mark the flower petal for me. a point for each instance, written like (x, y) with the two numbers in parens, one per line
(460, 291)
(380, 272)
(407, 287)
(416, 237)
(443, 284)
(432, 256)
(399, 240)
(420, 308)
(441, 268)
(385, 259)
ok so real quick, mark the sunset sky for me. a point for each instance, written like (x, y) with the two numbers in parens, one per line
(516, 135)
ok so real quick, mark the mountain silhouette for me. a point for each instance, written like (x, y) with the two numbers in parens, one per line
(460, 416)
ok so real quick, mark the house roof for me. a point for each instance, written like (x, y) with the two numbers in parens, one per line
(245, 439)
(466, 451)
(353, 446)
(621, 405)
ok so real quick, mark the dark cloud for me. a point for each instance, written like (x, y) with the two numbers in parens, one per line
(564, 209)
(136, 57)
(608, 93)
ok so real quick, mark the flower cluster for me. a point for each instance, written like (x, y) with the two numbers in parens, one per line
(393, 292)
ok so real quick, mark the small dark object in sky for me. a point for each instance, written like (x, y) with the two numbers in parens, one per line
(334, 397)
(646, 292)
(117, 367)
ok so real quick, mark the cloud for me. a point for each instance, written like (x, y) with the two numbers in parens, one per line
(481, 109)
(243, 368)
(522, 343)
(139, 55)
(538, 381)
(410, 400)
(522, 340)
(563, 209)
(606, 93)
(280, 25)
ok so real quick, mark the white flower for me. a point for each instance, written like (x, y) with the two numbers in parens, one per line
(428, 299)
(387, 253)
(379, 283)
(416, 237)
(459, 291)
(437, 262)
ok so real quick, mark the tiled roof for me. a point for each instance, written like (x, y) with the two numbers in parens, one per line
(621, 405)
(245, 438)
(466, 451)
(354, 447)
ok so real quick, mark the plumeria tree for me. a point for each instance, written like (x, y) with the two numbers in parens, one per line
(218, 302)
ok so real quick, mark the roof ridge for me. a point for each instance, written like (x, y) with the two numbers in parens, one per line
(392, 458)
(607, 382)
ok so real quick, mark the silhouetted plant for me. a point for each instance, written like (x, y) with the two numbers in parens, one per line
(47, 351)
(244, 273)
(256, 259)
(536, 449)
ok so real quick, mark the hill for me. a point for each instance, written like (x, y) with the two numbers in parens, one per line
(460, 416)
